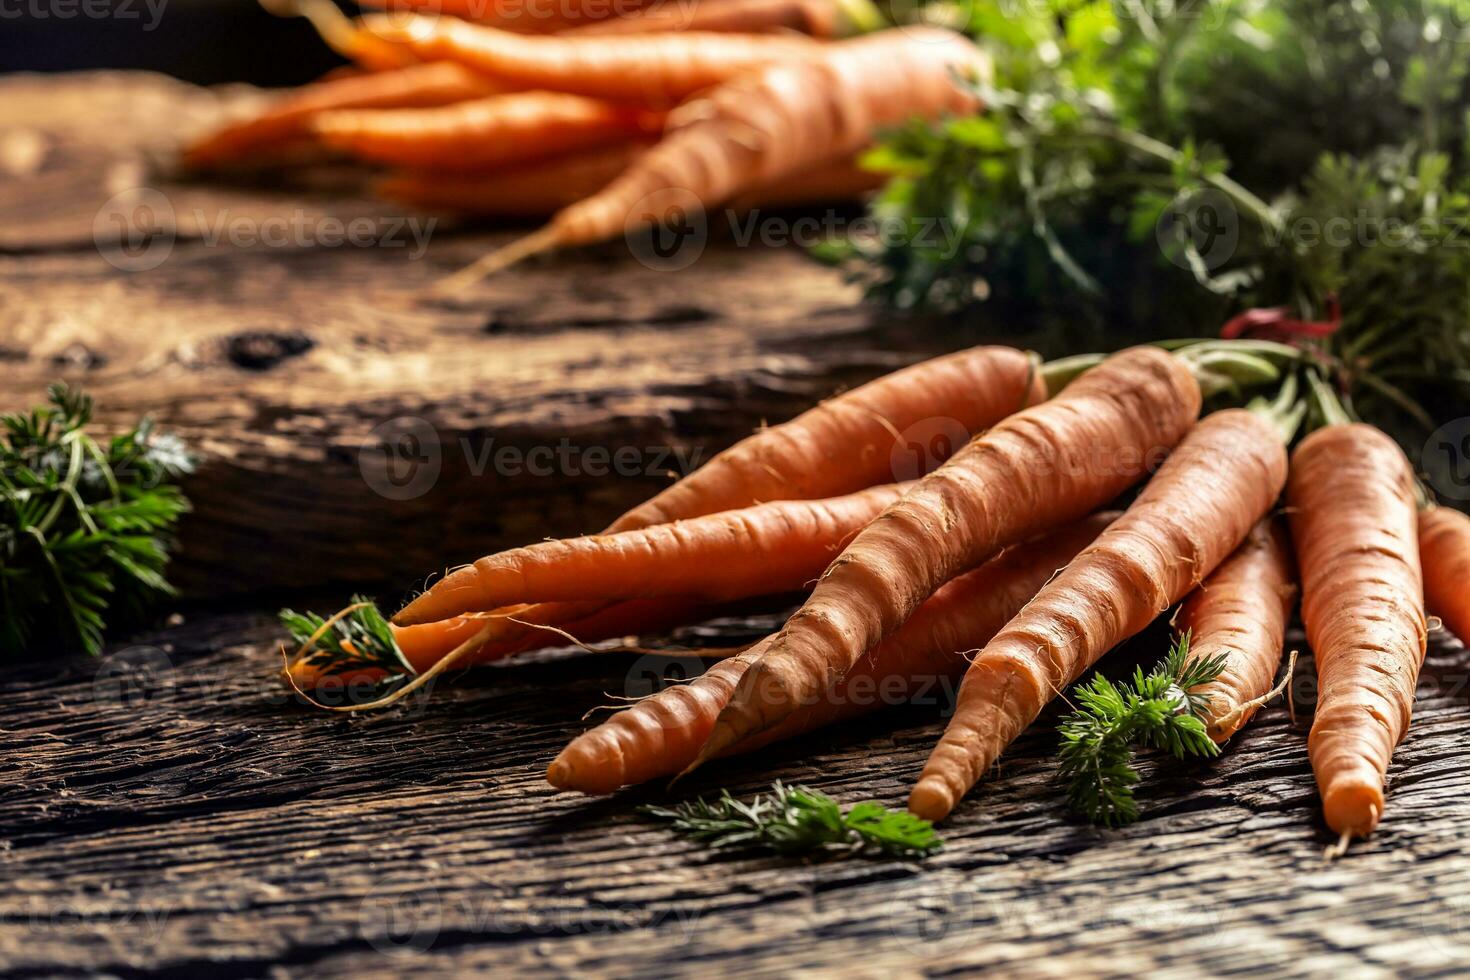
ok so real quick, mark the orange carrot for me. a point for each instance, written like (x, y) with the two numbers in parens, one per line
(525, 16)
(816, 18)
(850, 441)
(1200, 505)
(760, 550)
(662, 734)
(1444, 552)
(539, 189)
(290, 118)
(484, 132)
(1035, 470)
(1240, 612)
(647, 69)
(762, 126)
(1354, 522)
(532, 190)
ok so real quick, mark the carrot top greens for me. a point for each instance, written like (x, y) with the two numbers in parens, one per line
(1157, 710)
(85, 524)
(797, 820)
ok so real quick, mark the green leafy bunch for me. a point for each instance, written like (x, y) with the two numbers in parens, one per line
(359, 639)
(1336, 133)
(797, 820)
(1158, 710)
(85, 525)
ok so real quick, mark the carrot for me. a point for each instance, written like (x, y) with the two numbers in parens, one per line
(662, 734)
(849, 442)
(768, 548)
(647, 69)
(1200, 505)
(1035, 470)
(1444, 552)
(1240, 612)
(762, 126)
(522, 16)
(816, 18)
(1353, 519)
(289, 119)
(532, 190)
(536, 190)
(484, 132)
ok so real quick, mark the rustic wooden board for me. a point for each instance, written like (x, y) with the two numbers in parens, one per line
(168, 810)
(280, 364)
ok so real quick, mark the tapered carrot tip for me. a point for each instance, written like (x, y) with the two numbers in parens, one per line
(931, 799)
(457, 593)
(1352, 805)
(581, 768)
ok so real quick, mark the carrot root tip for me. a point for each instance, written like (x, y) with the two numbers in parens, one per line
(931, 799)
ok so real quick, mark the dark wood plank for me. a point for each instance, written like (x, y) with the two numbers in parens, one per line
(168, 809)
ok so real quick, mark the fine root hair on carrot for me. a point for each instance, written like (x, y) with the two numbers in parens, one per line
(1212, 490)
(537, 242)
(448, 661)
(1232, 721)
(1020, 478)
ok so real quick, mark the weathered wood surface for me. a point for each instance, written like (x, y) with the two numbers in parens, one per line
(281, 363)
(167, 810)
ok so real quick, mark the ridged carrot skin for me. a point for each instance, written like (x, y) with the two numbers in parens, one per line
(290, 119)
(782, 119)
(848, 441)
(661, 735)
(658, 70)
(1444, 553)
(1355, 526)
(760, 550)
(1036, 470)
(538, 190)
(1196, 510)
(483, 133)
(1241, 612)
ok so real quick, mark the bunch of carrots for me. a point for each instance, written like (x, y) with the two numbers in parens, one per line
(1095, 498)
(609, 124)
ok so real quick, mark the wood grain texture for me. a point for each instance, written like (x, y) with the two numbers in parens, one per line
(167, 809)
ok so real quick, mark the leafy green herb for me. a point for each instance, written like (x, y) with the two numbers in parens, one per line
(359, 639)
(85, 525)
(797, 820)
(1327, 141)
(1157, 710)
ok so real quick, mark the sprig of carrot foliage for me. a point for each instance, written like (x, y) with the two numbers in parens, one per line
(85, 523)
(357, 639)
(1156, 710)
(797, 820)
